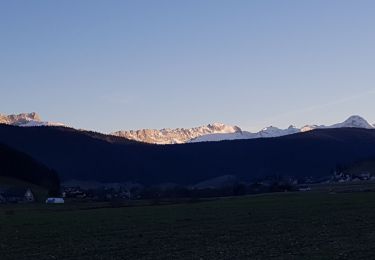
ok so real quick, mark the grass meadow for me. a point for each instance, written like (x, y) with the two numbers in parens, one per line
(308, 225)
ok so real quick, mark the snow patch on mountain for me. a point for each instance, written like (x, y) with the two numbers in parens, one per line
(268, 132)
(354, 121)
(178, 135)
(41, 123)
(221, 137)
(307, 128)
(26, 120)
(272, 131)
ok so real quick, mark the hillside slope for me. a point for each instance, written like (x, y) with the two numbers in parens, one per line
(21, 167)
(83, 156)
(365, 166)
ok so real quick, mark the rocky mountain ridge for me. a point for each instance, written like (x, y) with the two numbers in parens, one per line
(352, 122)
(26, 120)
(178, 135)
(207, 133)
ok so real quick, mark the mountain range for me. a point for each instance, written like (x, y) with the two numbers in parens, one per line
(210, 132)
(178, 135)
(220, 132)
(351, 122)
(89, 156)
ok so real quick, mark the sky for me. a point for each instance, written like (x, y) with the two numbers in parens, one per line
(111, 65)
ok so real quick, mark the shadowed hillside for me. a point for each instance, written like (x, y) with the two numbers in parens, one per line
(19, 166)
(87, 156)
(365, 166)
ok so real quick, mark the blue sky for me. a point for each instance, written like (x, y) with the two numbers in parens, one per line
(110, 65)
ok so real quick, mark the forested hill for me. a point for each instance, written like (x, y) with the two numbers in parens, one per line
(87, 156)
(19, 166)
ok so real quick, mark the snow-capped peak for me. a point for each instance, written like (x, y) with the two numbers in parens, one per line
(271, 131)
(307, 128)
(178, 135)
(19, 119)
(26, 120)
(223, 128)
(354, 121)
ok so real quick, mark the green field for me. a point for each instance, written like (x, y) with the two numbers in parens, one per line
(271, 226)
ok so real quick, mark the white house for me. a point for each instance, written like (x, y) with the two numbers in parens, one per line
(29, 196)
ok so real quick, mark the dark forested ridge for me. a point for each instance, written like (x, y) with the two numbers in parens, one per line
(89, 156)
(19, 166)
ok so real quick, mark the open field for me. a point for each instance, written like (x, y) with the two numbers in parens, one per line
(271, 226)
(354, 186)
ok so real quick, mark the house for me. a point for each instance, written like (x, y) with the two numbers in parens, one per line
(365, 176)
(55, 201)
(73, 192)
(29, 196)
(17, 195)
(304, 188)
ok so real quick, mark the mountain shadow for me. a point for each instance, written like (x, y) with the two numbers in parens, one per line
(19, 166)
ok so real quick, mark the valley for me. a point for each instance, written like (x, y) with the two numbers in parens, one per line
(192, 130)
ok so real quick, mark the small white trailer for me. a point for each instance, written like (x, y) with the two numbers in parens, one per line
(55, 201)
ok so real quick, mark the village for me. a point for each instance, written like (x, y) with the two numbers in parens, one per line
(126, 192)
(24, 195)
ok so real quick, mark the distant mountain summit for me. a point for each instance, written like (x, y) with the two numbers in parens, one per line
(354, 121)
(272, 131)
(351, 122)
(178, 135)
(25, 120)
(19, 119)
(220, 132)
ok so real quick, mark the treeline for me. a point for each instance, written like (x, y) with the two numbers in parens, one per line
(17, 165)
